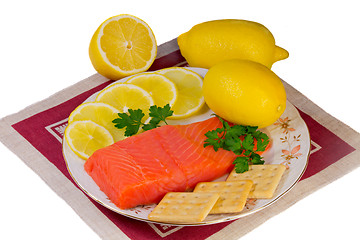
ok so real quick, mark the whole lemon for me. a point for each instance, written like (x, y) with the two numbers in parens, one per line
(244, 92)
(211, 42)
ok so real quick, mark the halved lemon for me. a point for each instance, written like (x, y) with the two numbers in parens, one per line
(122, 45)
(125, 96)
(100, 113)
(161, 88)
(85, 137)
(189, 86)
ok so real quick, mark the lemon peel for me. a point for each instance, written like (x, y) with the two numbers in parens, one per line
(209, 43)
(244, 92)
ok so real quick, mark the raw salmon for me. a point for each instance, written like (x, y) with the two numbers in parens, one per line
(141, 169)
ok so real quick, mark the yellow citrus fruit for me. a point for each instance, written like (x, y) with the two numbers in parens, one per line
(124, 96)
(122, 45)
(161, 88)
(188, 84)
(244, 92)
(85, 137)
(211, 42)
(100, 113)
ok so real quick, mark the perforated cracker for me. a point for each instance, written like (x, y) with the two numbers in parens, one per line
(184, 207)
(265, 179)
(233, 195)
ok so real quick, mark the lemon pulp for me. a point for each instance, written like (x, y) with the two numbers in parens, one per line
(189, 84)
(122, 45)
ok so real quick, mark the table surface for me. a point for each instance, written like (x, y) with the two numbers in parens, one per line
(44, 49)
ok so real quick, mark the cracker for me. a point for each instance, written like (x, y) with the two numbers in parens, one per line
(233, 195)
(265, 179)
(184, 207)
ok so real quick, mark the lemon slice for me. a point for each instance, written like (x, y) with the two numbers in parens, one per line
(188, 84)
(100, 113)
(161, 88)
(85, 137)
(125, 96)
(122, 45)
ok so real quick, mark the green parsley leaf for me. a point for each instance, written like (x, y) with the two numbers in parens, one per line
(157, 115)
(213, 140)
(233, 143)
(240, 140)
(251, 129)
(241, 164)
(161, 113)
(262, 141)
(238, 130)
(131, 121)
(150, 125)
(256, 159)
(248, 143)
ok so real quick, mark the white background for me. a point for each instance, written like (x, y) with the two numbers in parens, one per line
(44, 48)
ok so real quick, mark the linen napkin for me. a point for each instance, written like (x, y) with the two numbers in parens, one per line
(35, 136)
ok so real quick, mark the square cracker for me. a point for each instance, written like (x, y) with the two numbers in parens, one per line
(184, 207)
(233, 195)
(265, 179)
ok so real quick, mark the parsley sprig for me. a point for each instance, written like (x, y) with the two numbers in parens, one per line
(132, 120)
(241, 140)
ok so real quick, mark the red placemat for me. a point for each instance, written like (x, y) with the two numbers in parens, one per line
(44, 131)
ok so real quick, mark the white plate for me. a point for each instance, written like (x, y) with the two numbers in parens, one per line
(290, 147)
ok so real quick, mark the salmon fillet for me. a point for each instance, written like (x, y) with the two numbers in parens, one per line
(141, 169)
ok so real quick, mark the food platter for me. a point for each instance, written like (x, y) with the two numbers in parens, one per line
(290, 147)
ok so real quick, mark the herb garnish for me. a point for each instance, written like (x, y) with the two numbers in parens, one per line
(241, 140)
(132, 119)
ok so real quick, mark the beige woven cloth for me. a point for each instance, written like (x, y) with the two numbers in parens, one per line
(106, 228)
